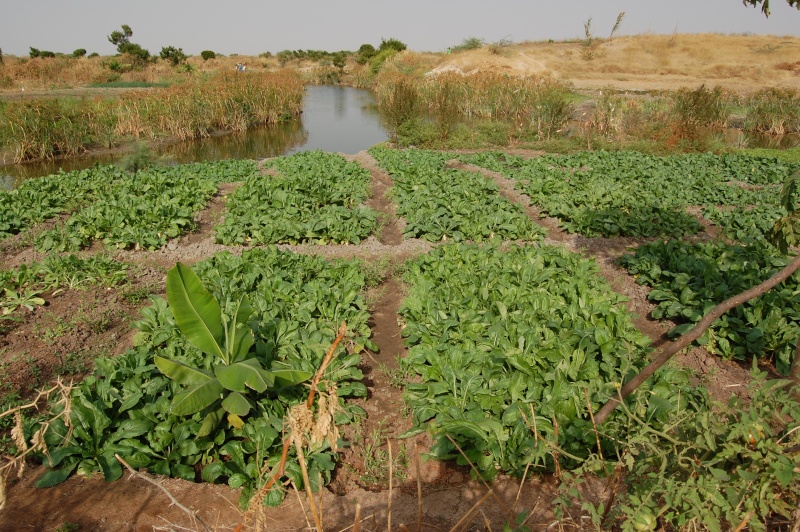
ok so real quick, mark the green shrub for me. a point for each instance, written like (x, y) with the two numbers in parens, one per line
(365, 53)
(173, 55)
(470, 43)
(377, 61)
(208, 54)
(391, 44)
(80, 52)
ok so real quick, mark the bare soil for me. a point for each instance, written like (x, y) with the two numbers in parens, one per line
(62, 337)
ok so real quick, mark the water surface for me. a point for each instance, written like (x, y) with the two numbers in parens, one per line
(335, 119)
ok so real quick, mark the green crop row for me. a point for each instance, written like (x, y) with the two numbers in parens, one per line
(690, 279)
(37, 200)
(507, 340)
(21, 287)
(119, 205)
(439, 203)
(126, 406)
(145, 209)
(633, 194)
(313, 197)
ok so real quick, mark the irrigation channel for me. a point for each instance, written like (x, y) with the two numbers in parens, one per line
(334, 119)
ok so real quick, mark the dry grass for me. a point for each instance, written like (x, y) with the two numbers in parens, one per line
(742, 63)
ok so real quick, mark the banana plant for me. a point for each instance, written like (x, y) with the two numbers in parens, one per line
(237, 374)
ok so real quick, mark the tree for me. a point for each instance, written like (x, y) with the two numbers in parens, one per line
(207, 54)
(365, 53)
(122, 40)
(173, 55)
(80, 52)
(765, 4)
(394, 44)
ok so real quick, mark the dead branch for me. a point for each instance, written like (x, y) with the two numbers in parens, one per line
(160, 486)
(696, 332)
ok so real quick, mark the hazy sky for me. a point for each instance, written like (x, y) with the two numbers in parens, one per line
(251, 27)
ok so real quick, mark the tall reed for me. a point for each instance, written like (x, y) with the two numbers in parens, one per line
(774, 111)
(533, 104)
(698, 111)
(47, 128)
(397, 99)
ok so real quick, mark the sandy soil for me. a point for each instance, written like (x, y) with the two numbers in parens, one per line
(645, 63)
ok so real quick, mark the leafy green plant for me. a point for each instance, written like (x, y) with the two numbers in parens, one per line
(439, 203)
(315, 197)
(21, 287)
(632, 194)
(689, 279)
(505, 341)
(11, 301)
(199, 317)
(701, 465)
(141, 211)
(298, 303)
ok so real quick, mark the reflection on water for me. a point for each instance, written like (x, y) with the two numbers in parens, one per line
(6, 182)
(742, 139)
(340, 119)
(335, 119)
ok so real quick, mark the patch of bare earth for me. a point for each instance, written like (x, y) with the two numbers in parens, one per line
(62, 337)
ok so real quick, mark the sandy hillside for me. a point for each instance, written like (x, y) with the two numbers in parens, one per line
(741, 63)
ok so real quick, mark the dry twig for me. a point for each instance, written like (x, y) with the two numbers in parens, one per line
(160, 486)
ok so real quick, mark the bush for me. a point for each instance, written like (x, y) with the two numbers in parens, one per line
(339, 59)
(774, 111)
(365, 53)
(35, 52)
(470, 43)
(80, 52)
(207, 54)
(173, 55)
(701, 466)
(380, 58)
(391, 44)
(284, 56)
(698, 111)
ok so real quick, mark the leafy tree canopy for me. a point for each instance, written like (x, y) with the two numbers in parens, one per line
(122, 40)
(765, 4)
(173, 55)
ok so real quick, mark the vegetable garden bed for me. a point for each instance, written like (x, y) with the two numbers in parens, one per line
(511, 345)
